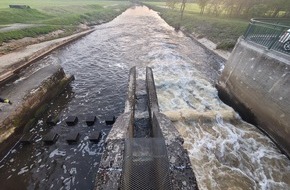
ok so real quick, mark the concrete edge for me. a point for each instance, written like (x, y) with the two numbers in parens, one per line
(214, 51)
(16, 67)
(17, 122)
(247, 112)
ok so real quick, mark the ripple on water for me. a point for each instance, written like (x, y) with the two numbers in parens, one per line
(225, 152)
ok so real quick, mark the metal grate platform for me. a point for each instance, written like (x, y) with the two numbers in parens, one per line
(145, 165)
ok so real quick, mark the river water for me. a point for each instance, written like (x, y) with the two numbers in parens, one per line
(225, 152)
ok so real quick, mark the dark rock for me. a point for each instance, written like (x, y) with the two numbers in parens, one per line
(71, 120)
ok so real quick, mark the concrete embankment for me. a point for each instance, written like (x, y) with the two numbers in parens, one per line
(12, 63)
(257, 81)
(30, 96)
(30, 87)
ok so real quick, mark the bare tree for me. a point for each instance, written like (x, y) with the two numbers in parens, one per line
(182, 7)
(202, 4)
(171, 3)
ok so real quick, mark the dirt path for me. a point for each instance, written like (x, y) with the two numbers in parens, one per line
(17, 26)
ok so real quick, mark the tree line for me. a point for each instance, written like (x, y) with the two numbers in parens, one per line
(241, 8)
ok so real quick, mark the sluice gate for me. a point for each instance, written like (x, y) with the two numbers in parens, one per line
(143, 149)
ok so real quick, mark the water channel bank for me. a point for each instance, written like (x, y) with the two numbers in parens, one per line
(30, 93)
(257, 80)
(224, 151)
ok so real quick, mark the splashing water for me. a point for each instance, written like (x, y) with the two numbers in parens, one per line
(225, 152)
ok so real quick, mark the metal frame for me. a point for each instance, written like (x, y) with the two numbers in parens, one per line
(269, 33)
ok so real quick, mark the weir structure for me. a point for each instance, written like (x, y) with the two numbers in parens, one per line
(256, 79)
(144, 149)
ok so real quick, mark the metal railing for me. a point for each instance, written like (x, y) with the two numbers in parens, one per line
(272, 34)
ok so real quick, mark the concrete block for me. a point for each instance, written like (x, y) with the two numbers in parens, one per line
(27, 139)
(50, 138)
(110, 120)
(52, 121)
(73, 138)
(95, 137)
(71, 120)
(90, 120)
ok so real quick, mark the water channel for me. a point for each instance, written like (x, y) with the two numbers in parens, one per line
(225, 152)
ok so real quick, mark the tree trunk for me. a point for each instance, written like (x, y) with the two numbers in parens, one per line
(277, 10)
(202, 10)
(182, 7)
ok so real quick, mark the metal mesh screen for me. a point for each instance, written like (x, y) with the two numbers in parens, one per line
(146, 165)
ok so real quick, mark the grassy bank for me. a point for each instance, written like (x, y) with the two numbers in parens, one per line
(53, 15)
(222, 31)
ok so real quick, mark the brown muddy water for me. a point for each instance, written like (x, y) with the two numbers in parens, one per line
(225, 152)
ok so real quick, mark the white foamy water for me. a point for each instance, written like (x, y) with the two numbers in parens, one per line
(23, 170)
(57, 152)
(225, 152)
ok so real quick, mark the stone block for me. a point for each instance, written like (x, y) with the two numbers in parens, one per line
(71, 120)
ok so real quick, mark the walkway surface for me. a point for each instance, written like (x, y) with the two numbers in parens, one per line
(17, 26)
(211, 46)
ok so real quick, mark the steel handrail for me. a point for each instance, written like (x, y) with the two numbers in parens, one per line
(268, 34)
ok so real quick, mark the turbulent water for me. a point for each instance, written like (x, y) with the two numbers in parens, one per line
(225, 152)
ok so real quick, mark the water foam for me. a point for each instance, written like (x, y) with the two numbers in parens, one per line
(225, 152)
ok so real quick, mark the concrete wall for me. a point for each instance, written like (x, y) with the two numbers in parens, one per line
(30, 98)
(259, 80)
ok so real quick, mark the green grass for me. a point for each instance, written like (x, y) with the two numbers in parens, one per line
(9, 16)
(56, 14)
(42, 4)
(222, 31)
(32, 32)
(190, 7)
